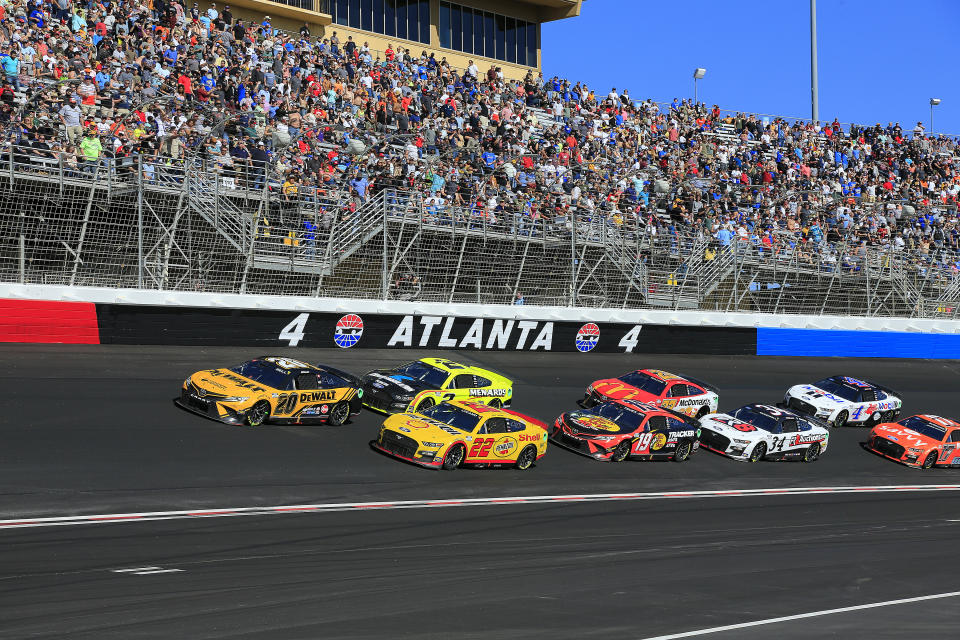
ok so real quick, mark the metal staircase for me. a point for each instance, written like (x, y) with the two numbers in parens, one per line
(205, 198)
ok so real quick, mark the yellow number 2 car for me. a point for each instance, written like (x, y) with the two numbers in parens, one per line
(273, 389)
(463, 433)
(418, 385)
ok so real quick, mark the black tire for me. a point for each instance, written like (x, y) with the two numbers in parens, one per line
(682, 452)
(339, 414)
(622, 452)
(526, 458)
(930, 460)
(258, 413)
(495, 403)
(812, 453)
(887, 416)
(758, 452)
(425, 404)
(454, 457)
(841, 419)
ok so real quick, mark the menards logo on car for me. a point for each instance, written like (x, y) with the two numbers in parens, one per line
(483, 334)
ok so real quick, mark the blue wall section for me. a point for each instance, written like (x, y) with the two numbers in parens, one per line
(856, 344)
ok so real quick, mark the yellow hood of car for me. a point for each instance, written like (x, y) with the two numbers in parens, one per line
(421, 429)
(226, 382)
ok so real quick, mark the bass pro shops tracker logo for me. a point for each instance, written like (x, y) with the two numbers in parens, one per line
(348, 331)
(587, 337)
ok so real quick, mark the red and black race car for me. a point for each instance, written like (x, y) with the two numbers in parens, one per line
(679, 393)
(621, 429)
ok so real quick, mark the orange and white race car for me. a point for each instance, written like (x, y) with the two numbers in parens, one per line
(923, 441)
(679, 393)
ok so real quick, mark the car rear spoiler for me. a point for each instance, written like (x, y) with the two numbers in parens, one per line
(809, 417)
(343, 374)
(533, 421)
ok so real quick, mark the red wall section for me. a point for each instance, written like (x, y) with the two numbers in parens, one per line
(48, 321)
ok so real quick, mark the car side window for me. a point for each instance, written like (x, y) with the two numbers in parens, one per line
(480, 383)
(463, 381)
(330, 381)
(694, 390)
(678, 391)
(496, 425)
(513, 426)
(788, 426)
(955, 436)
(676, 425)
(868, 395)
(881, 395)
(308, 381)
(656, 423)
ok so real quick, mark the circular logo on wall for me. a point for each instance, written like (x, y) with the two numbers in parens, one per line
(587, 337)
(348, 331)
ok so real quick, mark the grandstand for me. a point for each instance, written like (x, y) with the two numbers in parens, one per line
(258, 161)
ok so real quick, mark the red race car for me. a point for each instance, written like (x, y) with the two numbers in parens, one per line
(923, 441)
(621, 429)
(682, 394)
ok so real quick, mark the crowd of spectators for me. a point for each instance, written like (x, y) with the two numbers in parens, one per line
(309, 114)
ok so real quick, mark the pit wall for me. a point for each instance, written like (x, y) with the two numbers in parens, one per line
(78, 315)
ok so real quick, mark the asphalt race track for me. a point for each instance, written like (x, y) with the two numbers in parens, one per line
(93, 430)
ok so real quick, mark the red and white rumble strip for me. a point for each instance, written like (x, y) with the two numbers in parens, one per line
(114, 518)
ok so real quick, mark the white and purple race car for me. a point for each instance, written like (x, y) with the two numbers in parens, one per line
(842, 400)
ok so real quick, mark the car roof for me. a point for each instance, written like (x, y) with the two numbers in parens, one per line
(773, 412)
(938, 421)
(478, 408)
(663, 376)
(853, 383)
(456, 367)
(637, 405)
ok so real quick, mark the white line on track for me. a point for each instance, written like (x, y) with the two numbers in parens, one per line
(799, 616)
(115, 518)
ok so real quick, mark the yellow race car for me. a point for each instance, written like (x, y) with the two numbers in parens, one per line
(463, 433)
(418, 385)
(273, 389)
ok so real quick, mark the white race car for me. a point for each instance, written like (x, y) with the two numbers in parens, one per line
(761, 432)
(840, 400)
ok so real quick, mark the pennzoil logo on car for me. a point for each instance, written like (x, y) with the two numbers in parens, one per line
(504, 446)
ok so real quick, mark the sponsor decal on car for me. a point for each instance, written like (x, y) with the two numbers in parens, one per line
(587, 337)
(348, 331)
(658, 442)
(318, 396)
(596, 422)
(504, 447)
(487, 392)
(526, 437)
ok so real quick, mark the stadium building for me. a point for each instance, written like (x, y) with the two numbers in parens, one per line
(504, 33)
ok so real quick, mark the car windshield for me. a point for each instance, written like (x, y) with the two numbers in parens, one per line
(430, 376)
(644, 382)
(839, 390)
(453, 416)
(756, 418)
(923, 427)
(626, 419)
(264, 372)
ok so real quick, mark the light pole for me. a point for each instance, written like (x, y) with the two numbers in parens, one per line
(814, 99)
(698, 74)
(933, 102)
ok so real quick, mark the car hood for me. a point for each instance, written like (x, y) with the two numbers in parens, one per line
(226, 383)
(396, 384)
(590, 424)
(421, 428)
(904, 436)
(818, 397)
(619, 390)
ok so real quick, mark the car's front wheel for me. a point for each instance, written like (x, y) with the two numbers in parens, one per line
(454, 457)
(622, 451)
(812, 452)
(495, 403)
(758, 452)
(682, 452)
(930, 460)
(339, 414)
(258, 413)
(841, 418)
(526, 458)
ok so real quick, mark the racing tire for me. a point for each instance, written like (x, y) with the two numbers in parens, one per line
(887, 416)
(682, 452)
(454, 457)
(495, 403)
(929, 461)
(425, 404)
(258, 413)
(339, 414)
(758, 452)
(841, 419)
(526, 458)
(622, 451)
(812, 453)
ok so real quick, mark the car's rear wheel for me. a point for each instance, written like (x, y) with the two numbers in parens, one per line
(887, 416)
(682, 452)
(258, 413)
(758, 452)
(425, 404)
(812, 452)
(454, 457)
(339, 414)
(527, 457)
(495, 403)
(841, 418)
(622, 451)
(930, 460)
